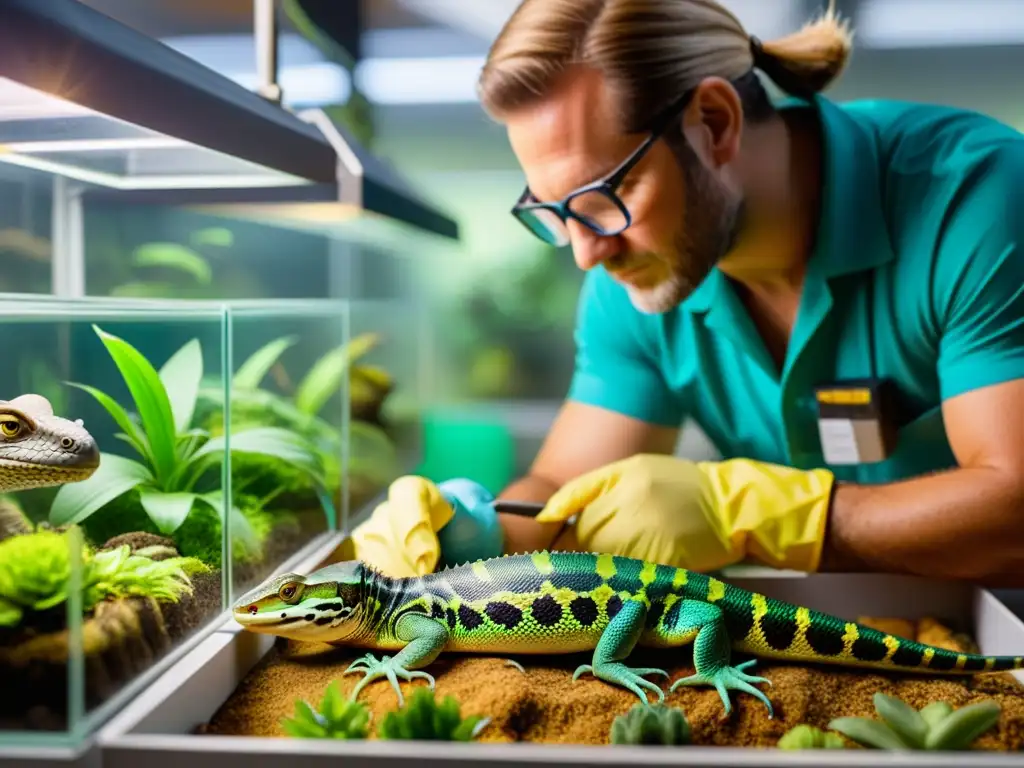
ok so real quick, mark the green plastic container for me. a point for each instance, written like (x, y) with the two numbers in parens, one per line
(464, 445)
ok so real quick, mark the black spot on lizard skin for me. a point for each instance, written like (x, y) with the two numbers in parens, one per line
(614, 606)
(469, 618)
(671, 618)
(975, 664)
(825, 639)
(942, 661)
(324, 620)
(449, 617)
(330, 607)
(907, 655)
(654, 614)
(286, 620)
(1003, 664)
(546, 611)
(779, 627)
(738, 615)
(584, 609)
(503, 614)
(436, 611)
(868, 649)
(310, 617)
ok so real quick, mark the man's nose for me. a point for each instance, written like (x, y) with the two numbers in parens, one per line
(590, 249)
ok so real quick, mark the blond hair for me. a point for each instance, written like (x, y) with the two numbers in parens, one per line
(651, 52)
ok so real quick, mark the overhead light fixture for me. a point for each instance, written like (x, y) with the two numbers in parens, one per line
(135, 121)
(939, 23)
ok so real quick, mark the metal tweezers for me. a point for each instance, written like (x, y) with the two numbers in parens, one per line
(523, 508)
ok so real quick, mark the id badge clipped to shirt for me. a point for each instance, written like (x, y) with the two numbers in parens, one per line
(856, 421)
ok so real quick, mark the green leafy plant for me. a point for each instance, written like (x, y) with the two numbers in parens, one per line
(423, 718)
(808, 737)
(35, 573)
(651, 724)
(335, 718)
(935, 727)
(371, 454)
(172, 459)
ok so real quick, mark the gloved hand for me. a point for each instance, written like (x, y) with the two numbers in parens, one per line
(699, 515)
(423, 525)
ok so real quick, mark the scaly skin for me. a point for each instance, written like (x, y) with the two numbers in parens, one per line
(39, 449)
(568, 602)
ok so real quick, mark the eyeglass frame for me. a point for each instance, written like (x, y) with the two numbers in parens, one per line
(606, 184)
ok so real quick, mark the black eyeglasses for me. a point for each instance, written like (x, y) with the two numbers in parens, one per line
(595, 205)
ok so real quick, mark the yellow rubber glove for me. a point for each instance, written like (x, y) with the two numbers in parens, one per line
(400, 536)
(699, 515)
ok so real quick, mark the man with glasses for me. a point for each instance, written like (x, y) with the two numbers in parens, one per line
(833, 293)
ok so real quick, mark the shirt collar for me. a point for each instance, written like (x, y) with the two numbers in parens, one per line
(852, 231)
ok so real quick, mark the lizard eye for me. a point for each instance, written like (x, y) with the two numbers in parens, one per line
(67, 443)
(10, 427)
(289, 592)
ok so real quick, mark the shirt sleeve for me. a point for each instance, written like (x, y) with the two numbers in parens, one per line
(616, 367)
(979, 279)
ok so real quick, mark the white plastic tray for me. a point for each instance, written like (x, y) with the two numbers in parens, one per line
(156, 729)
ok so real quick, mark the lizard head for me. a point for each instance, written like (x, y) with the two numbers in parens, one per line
(39, 449)
(323, 606)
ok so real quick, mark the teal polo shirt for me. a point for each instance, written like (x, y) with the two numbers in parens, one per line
(920, 242)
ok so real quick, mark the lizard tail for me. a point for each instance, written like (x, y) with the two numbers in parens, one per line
(775, 629)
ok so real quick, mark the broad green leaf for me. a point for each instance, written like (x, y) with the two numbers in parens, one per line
(135, 436)
(266, 441)
(151, 401)
(251, 372)
(327, 374)
(180, 376)
(174, 256)
(220, 236)
(167, 510)
(116, 475)
(10, 613)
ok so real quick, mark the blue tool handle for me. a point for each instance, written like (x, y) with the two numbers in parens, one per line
(474, 532)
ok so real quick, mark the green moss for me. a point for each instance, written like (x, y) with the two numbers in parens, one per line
(35, 574)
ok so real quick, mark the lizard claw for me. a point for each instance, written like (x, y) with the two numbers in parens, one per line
(386, 667)
(631, 678)
(726, 678)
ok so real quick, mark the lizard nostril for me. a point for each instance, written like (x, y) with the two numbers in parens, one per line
(67, 443)
(254, 609)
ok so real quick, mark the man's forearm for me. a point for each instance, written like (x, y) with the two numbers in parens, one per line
(961, 524)
(524, 534)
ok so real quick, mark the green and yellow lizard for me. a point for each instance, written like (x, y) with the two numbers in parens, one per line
(569, 602)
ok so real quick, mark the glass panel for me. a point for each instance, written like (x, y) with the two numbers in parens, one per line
(387, 385)
(167, 252)
(47, 133)
(76, 638)
(26, 252)
(290, 364)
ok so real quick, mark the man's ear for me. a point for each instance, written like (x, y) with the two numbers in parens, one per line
(713, 121)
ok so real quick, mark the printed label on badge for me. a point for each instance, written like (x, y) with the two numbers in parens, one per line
(854, 422)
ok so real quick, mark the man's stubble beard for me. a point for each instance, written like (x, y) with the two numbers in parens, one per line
(711, 225)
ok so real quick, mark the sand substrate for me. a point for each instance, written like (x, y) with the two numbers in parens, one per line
(545, 705)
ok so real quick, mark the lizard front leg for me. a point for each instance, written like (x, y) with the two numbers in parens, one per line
(616, 643)
(712, 652)
(425, 638)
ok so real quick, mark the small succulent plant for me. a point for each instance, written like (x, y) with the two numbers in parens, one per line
(423, 718)
(808, 737)
(651, 724)
(336, 718)
(935, 727)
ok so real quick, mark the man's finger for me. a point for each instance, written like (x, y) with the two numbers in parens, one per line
(577, 494)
